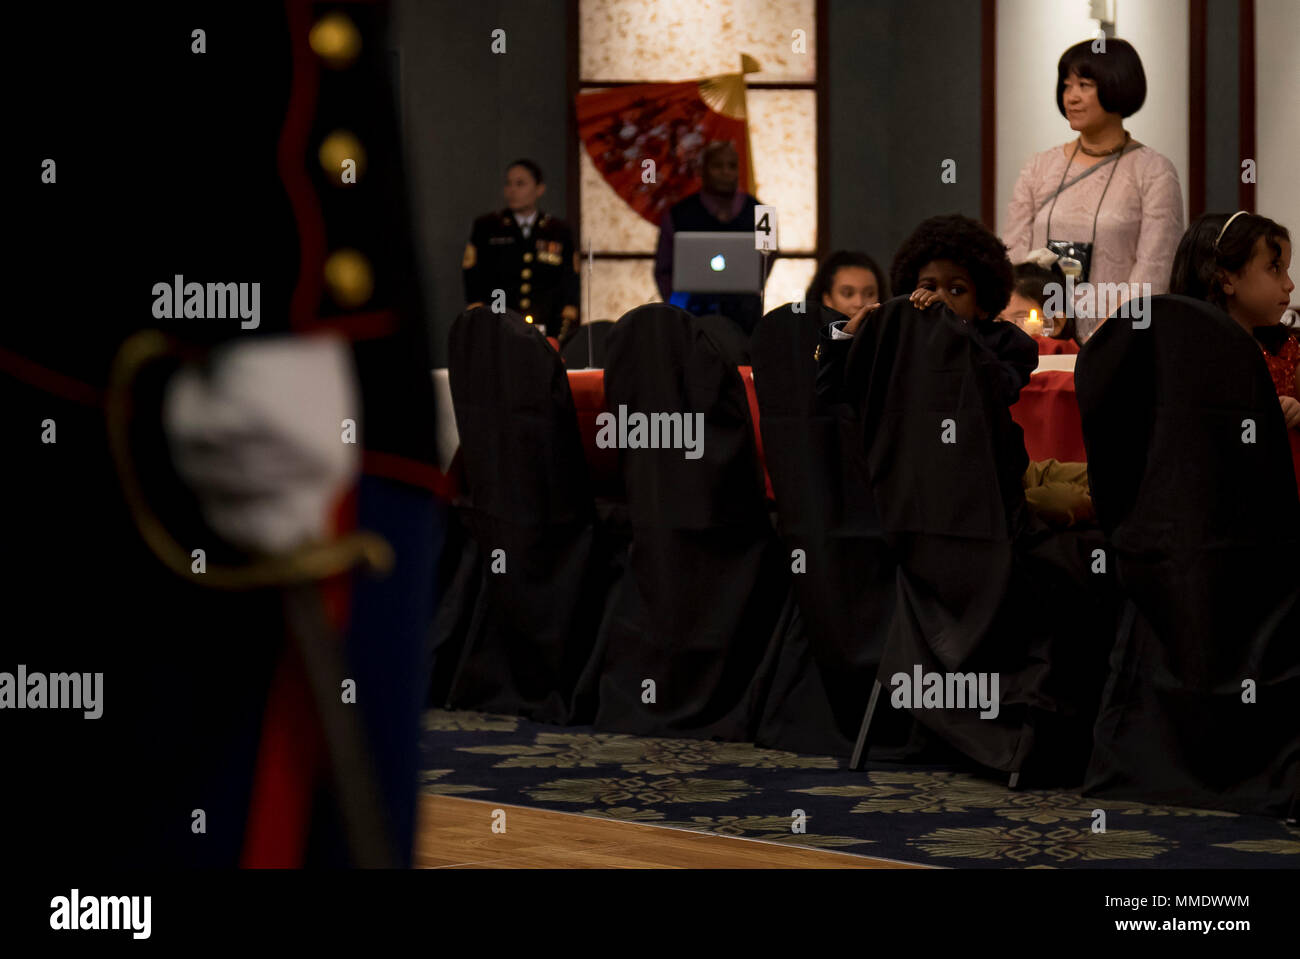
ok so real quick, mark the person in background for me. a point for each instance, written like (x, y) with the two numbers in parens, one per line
(1240, 263)
(954, 262)
(527, 253)
(847, 281)
(719, 206)
(1111, 205)
(1030, 293)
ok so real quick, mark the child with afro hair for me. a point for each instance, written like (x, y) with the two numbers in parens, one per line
(955, 262)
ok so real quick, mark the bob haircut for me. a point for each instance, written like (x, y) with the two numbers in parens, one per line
(1121, 81)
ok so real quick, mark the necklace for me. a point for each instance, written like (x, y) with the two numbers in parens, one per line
(1104, 153)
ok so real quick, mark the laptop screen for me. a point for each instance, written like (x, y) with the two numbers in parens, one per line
(715, 263)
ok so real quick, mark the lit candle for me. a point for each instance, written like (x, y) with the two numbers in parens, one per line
(1033, 325)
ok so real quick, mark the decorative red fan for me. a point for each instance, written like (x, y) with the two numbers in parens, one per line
(671, 124)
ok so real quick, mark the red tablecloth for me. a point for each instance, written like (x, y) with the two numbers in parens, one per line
(1048, 412)
(1050, 347)
(588, 387)
(747, 375)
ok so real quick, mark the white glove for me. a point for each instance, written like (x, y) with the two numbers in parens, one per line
(1042, 257)
(259, 438)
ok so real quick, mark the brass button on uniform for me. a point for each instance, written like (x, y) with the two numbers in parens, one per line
(525, 273)
(349, 278)
(336, 40)
(525, 288)
(528, 258)
(525, 302)
(337, 148)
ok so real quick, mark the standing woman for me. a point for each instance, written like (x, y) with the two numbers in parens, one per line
(1110, 206)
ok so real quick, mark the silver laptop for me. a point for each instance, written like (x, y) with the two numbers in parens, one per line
(715, 263)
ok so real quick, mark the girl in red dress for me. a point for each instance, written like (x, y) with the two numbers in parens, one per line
(1240, 263)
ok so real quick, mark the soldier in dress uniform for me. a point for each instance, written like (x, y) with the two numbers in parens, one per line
(527, 253)
(214, 748)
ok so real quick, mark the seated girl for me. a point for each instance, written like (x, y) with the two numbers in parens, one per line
(1031, 293)
(954, 261)
(846, 282)
(1239, 263)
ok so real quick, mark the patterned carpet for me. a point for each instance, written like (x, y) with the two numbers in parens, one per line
(916, 814)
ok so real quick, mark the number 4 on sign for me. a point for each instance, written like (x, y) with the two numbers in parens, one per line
(765, 228)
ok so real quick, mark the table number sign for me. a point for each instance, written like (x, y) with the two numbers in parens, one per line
(765, 237)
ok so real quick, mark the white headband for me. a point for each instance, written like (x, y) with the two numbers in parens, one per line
(1226, 225)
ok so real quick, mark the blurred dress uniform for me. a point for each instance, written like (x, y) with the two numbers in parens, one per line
(207, 704)
(533, 259)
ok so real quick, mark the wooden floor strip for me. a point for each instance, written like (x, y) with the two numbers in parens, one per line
(456, 833)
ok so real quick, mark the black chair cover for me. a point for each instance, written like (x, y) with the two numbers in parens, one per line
(730, 338)
(534, 624)
(705, 581)
(459, 580)
(1205, 533)
(577, 352)
(846, 593)
(983, 586)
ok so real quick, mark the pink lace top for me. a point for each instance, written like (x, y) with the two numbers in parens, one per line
(1138, 227)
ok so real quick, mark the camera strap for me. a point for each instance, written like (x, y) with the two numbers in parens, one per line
(1092, 169)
